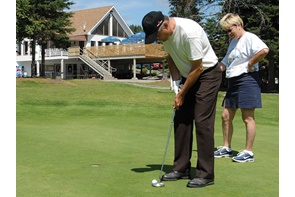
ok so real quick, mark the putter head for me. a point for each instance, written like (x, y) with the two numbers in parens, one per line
(158, 184)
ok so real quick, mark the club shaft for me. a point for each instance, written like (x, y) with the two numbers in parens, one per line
(167, 143)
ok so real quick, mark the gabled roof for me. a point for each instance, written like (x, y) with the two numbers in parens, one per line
(91, 18)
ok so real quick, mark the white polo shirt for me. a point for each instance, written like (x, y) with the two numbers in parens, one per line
(189, 42)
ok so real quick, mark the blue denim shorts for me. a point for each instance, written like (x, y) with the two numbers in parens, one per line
(243, 92)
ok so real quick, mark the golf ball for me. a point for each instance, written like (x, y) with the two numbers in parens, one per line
(154, 181)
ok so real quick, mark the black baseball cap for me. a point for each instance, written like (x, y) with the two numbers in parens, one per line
(151, 23)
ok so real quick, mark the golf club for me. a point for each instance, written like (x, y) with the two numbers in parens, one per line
(155, 183)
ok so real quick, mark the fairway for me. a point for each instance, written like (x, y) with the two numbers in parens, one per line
(97, 138)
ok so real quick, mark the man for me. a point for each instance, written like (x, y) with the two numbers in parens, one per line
(194, 67)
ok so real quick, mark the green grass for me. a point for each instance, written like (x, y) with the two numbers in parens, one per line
(97, 138)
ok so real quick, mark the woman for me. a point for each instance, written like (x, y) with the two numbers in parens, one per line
(241, 65)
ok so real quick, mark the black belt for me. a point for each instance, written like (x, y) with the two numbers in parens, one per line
(211, 68)
(183, 79)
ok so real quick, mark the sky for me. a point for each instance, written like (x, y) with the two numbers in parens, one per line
(132, 11)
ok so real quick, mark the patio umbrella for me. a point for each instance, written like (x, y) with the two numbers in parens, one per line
(110, 39)
(135, 38)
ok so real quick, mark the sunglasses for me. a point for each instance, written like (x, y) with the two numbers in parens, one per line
(230, 29)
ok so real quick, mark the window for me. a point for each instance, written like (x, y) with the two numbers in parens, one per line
(117, 29)
(103, 28)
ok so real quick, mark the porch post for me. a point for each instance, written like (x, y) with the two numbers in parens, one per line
(111, 24)
(22, 48)
(134, 68)
(62, 68)
(29, 47)
(38, 69)
(109, 66)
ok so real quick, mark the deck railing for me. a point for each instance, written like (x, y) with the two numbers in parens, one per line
(151, 50)
(53, 52)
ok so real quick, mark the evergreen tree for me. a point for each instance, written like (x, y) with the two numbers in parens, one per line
(184, 8)
(41, 21)
(26, 25)
(136, 28)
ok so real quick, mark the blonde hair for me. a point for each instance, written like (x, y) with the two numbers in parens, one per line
(231, 19)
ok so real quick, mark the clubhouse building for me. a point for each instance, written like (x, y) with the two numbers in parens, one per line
(102, 46)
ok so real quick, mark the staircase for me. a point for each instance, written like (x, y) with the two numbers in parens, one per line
(98, 65)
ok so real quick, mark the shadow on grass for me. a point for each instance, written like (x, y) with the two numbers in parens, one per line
(235, 153)
(167, 168)
(152, 167)
(164, 92)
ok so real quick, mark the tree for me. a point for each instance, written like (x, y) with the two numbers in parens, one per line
(184, 8)
(44, 20)
(55, 26)
(136, 28)
(26, 25)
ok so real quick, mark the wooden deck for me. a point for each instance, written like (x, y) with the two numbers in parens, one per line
(129, 50)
